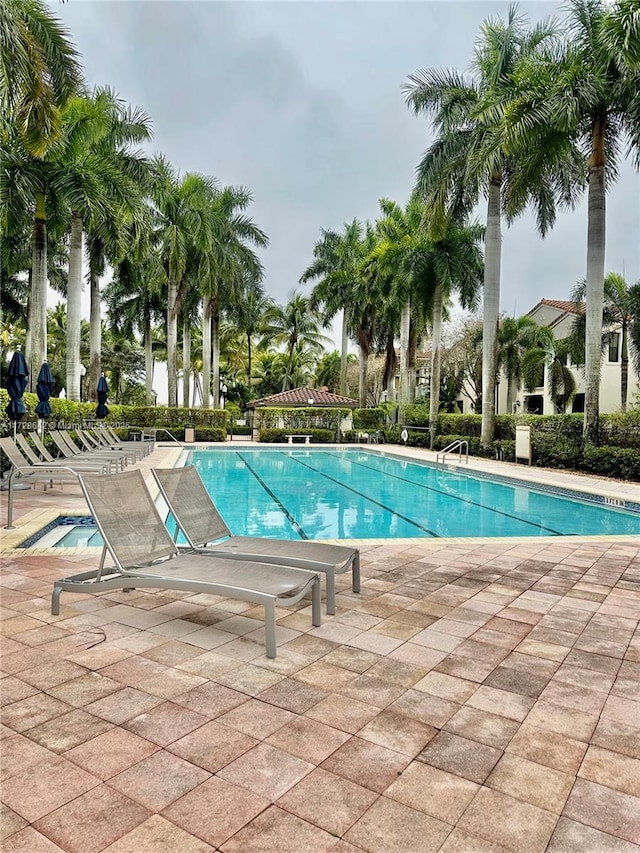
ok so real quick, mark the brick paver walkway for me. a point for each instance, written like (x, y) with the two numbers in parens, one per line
(474, 697)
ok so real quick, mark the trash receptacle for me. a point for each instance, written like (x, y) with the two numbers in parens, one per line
(189, 434)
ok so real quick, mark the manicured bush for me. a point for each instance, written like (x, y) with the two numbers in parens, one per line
(551, 451)
(367, 419)
(620, 462)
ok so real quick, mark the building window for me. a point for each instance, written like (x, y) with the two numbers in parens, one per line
(534, 405)
(614, 346)
(578, 403)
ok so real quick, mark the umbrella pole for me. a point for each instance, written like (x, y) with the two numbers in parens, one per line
(10, 525)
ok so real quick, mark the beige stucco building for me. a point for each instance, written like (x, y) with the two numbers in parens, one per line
(559, 315)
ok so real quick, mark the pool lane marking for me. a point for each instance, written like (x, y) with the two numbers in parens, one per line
(275, 498)
(456, 497)
(362, 495)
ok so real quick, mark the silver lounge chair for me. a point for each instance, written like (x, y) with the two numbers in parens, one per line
(202, 525)
(144, 555)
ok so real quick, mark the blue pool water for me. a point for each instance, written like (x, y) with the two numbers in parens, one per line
(355, 494)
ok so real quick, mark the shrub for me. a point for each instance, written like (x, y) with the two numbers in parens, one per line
(551, 451)
(620, 462)
(367, 419)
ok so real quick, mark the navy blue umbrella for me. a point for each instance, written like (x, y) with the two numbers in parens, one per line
(102, 392)
(43, 390)
(15, 384)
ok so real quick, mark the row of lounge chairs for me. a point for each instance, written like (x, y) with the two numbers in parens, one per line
(101, 452)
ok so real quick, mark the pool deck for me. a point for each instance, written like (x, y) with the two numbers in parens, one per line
(478, 696)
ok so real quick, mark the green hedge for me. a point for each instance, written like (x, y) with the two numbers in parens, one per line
(623, 463)
(299, 418)
(367, 419)
(279, 436)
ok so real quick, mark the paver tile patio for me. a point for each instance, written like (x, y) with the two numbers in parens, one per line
(475, 697)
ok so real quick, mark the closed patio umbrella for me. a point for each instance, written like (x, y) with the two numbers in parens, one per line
(102, 392)
(43, 390)
(15, 383)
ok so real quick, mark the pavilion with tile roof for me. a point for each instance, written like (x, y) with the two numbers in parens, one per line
(303, 397)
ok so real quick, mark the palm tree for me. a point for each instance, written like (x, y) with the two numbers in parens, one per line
(471, 154)
(618, 318)
(183, 204)
(250, 315)
(588, 96)
(296, 326)
(104, 179)
(337, 263)
(432, 259)
(227, 267)
(514, 338)
(39, 72)
(544, 351)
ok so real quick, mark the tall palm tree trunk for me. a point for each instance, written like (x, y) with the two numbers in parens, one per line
(249, 366)
(436, 361)
(405, 323)
(206, 354)
(491, 310)
(186, 362)
(595, 284)
(364, 369)
(172, 342)
(74, 308)
(215, 355)
(344, 351)
(95, 336)
(37, 352)
(148, 360)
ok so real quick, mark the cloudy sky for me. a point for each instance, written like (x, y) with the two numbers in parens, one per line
(301, 102)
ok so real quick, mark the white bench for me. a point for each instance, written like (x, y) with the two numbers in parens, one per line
(292, 438)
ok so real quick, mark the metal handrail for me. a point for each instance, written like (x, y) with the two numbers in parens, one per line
(458, 445)
(162, 429)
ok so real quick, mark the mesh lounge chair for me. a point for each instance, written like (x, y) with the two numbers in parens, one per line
(108, 438)
(99, 439)
(145, 555)
(201, 524)
(120, 456)
(75, 455)
(30, 466)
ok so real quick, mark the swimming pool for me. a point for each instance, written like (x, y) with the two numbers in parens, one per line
(358, 494)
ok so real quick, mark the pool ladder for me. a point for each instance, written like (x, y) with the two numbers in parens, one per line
(460, 445)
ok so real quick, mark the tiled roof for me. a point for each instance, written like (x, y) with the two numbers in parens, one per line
(564, 305)
(301, 397)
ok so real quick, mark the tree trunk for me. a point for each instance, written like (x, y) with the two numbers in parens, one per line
(389, 365)
(148, 360)
(344, 351)
(74, 308)
(405, 322)
(206, 354)
(436, 359)
(186, 362)
(491, 311)
(215, 354)
(595, 284)
(624, 367)
(362, 383)
(172, 341)
(37, 352)
(249, 361)
(95, 337)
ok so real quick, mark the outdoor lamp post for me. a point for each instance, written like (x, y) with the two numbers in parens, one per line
(223, 391)
(83, 373)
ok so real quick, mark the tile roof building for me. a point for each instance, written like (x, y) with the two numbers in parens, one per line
(306, 397)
